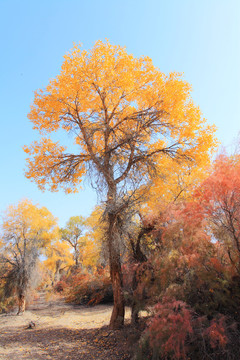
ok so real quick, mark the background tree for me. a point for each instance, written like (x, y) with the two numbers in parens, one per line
(219, 196)
(26, 230)
(94, 251)
(59, 258)
(73, 233)
(126, 117)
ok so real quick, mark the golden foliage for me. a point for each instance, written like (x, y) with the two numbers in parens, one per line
(28, 222)
(115, 105)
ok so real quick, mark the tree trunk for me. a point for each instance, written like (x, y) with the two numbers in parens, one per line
(134, 313)
(76, 262)
(117, 317)
(139, 257)
(57, 271)
(76, 257)
(134, 305)
(21, 304)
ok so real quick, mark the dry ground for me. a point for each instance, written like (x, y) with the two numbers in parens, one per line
(63, 332)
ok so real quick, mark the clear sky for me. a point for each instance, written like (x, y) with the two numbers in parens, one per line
(200, 38)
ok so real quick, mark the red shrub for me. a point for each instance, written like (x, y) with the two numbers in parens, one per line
(170, 328)
(216, 333)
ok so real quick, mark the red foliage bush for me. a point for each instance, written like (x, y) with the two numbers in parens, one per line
(216, 333)
(85, 288)
(170, 328)
(176, 332)
(61, 286)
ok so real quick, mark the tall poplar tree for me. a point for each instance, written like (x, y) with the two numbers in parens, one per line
(125, 118)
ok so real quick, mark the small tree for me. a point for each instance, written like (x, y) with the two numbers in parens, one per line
(26, 230)
(219, 196)
(59, 258)
(126, 118)
(73, 233)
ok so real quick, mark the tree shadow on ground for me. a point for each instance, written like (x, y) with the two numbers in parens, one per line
(65, 344)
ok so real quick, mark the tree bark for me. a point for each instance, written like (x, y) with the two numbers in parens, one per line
(76, 261)
(21, 304)
(117, 317)
(134, 313)
(139, 257)
(57, 271)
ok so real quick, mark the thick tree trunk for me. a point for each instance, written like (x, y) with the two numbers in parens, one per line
(22, 285)
(76, 262)
(57, 271)
(117, 317)
(134, 305)
(134, 313)
(21, 304)
(76, 257)
(139, 257)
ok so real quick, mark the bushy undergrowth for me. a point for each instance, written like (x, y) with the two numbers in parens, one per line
(7, 300)
(176, 332)
(194, 313)
(86, 288)
(6, 304)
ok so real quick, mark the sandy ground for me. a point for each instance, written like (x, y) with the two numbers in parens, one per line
(63, 331)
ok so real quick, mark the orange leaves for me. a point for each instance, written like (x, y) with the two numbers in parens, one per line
(176, 332)
(216, 333)
(219, 197)
(170, 329)
(25, 223)
(116, 106)
(223, 185)
(47, 164)
(217, 264)
(58, 252)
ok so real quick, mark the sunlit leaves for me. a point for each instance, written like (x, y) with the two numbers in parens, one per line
(30, 222)
(119, 109)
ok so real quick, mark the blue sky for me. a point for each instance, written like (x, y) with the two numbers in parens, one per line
(199, 38)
